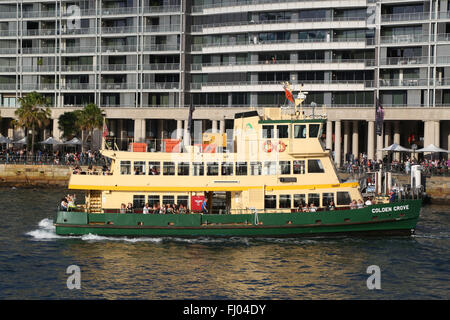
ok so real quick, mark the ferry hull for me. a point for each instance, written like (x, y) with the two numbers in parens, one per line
(398, 218)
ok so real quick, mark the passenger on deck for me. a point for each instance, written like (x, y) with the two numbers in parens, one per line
(123, 208)
(305, 208)
(353, 205)
(146, 209)
(331, 205)
(181, 209)
(63, 204)
(312, 207)
(368, 202)
(129, 208)
(360, 204)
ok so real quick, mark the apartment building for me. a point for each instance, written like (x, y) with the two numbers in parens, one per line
(145, 61)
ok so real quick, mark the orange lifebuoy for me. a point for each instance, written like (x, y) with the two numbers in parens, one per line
(268, 146)
(281, 146)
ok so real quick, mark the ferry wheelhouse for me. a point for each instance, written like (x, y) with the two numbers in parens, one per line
(272, 176)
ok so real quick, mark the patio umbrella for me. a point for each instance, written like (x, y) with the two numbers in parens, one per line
(4, 140)
(51, 141)
(21, 141)
(74, 141)
(432, 148)
(397, 148)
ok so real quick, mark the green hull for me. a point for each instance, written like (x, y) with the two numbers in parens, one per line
(395, 218)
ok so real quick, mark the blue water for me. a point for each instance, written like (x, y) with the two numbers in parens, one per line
(33, 261)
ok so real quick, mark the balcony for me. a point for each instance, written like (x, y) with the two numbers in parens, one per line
(118, 86)
(77, 86)
(120, 11)
(404, 61)
(77, 68)
(404, 39)
(162, 47)
(161, 66)
(405, 82)
(160, 85)
(163, 28)
(120, 30)
(402, 17)
(119, 48)
(118, 67)
(162, 9)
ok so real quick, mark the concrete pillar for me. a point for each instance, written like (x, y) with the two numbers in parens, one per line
(56, 132)
(428, 133)
(370, 139)
(214, 126)
(337, 143)
(437, 135)
(123, 143)
(139, 130)
(355, 140)
(329, 141)
(346, 138)
(397, 138)
(222, 126)
(179, 129)
(387, 134)
(379, 147)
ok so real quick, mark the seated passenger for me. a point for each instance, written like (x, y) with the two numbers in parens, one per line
(360, 204)
(305, 208)
(312, 207)
(63, 205)
(123, 208)
(129, 208)
(368, 202)
(331, 205)
(353, 205)
(146, 209)
(181, 209)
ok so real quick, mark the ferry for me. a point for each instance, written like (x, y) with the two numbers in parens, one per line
(270, 177)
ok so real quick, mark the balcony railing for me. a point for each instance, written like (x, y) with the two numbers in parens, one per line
(162, 66)
(404, 61)
(160, 85)
(200, 27)
(405, 82)
(366, 83)
(162, 9)
(119, 67)
(162, 47)
(125, 29)
(119, 48)
(163, 28)
(404, 39)
(406, 16)
(118, 86)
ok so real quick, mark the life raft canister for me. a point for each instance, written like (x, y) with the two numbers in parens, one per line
(268, 146)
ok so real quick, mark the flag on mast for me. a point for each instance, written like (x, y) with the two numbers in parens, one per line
(288, 93)
(379, 118)
(105, 129)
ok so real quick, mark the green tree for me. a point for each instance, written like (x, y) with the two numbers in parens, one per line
(67, 123)
(88, 119)
(34, 113)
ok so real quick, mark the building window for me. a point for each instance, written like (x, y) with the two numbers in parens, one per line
(314, 198)
(300, 131)
(125, 167)
(299, 166)
(285, 201)
(168, 200)
(139, 167)
(314, 130)
(315, 166)
(285, 167)
(138, 201)
(327, 197)
(227, 168)
(183, 168)
(255, 168)
(212, 169)
(241, 168)
(299, 200)
(198, 169)
(270, 201)
(169, 168)
(343, 198)
(154, 168)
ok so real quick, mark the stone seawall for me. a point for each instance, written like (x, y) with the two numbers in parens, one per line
(19, 175)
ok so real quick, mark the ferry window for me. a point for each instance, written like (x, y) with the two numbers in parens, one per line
(314, 130)
(315, 166)
(169, 168)
(283, 131)
(138, 201)
(183, 168)
(139, 167)
(125, 167)
(270, 201)
(270, 168)
(285, 167)
(327, 197)
(314, 198)
(212, 169)
(299, 200)
(343, 198)
(227, 168)
(299, 166)
(300, 131)
(168, 200)
(267, 132)
(255, 168)
(241, 168)
(153, 200)
(198, 169)
(154, 168)
(184, 200)
(285, 201)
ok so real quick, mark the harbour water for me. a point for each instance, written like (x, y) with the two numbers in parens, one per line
(34, 261)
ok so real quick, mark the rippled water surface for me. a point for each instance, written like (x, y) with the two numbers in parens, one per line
(33, 261)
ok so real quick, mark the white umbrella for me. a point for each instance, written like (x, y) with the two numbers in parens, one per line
(75, 141)
(21, 141)
(397, 147)
(432, 148)
(51, 141)
(4, 140)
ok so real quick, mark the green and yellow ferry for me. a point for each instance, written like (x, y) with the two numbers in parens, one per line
(271, 178)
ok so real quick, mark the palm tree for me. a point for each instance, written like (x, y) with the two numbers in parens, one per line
(88, 119)
(34, 113)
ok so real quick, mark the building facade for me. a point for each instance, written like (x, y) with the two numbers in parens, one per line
(145, 61)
